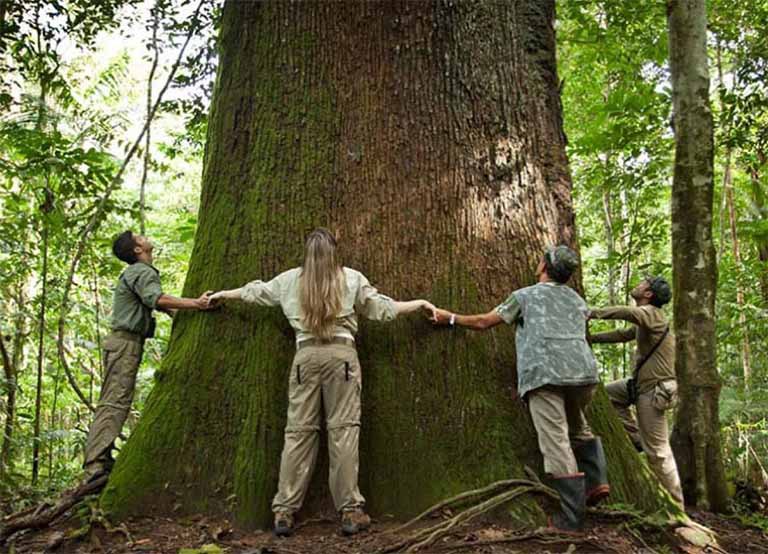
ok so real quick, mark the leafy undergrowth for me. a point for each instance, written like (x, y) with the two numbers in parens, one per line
(201, 535)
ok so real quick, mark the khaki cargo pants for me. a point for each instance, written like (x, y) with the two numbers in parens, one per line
(322, 376)
(122, 357)
(558, 416)
(650, 430)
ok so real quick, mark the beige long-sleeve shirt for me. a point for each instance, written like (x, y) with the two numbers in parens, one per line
(360, 298)
(649, 325)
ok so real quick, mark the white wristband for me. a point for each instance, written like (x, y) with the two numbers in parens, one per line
(453, 320)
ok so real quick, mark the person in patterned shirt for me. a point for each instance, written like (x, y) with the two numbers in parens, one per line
(557, 376)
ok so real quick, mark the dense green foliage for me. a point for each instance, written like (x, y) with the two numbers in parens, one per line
(76, 100)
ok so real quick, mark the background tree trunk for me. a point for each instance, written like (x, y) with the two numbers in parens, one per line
(696, 438)
(9, 373)
(428, 136)
(758, 200)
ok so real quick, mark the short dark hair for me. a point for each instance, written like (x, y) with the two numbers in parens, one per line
(123, 247)
(662, 292)
(560, 262)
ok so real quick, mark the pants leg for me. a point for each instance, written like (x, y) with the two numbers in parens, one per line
(302, 429)
(122, 358)
(547, 407)
(342, 386)
(655, 436)
(576, 401)
(617, 392)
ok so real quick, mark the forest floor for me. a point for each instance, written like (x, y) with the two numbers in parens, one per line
(201, 535)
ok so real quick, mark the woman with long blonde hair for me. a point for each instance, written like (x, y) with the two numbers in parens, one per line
(322, 300)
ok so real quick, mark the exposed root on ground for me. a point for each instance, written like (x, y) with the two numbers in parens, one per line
(481, 501)
(422, 538)
(38, 517)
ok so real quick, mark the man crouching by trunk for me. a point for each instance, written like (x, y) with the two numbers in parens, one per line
(137, 293)
(652, 388)
(557, 376)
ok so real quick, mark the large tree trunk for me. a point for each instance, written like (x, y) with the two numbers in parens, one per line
(428, 136)
(696, 439)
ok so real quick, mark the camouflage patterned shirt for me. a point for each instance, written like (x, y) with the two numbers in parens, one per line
(551, 336)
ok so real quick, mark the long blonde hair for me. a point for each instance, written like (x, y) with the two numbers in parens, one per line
(321, 284)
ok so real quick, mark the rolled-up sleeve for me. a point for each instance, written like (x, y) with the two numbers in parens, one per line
(635, 315)
(617, 335)
(261, 293)
(373, 305)
(148, 288)
(509, 310)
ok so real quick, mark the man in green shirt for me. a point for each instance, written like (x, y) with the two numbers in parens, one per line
(652, 388)
(137, 294)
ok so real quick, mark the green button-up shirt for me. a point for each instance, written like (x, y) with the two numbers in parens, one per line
(136, 295)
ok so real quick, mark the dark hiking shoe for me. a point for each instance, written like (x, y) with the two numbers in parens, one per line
(283, 524)
(591, 459)
(573, 507)
(354, 521)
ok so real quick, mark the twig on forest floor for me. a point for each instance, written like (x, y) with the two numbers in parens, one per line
(537, 536)
(281, 549)
(639, 537)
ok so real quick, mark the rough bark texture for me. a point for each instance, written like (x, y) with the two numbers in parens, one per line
(428, 136)
(696, 439)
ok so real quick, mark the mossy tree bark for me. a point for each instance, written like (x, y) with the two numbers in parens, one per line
(696, 438)
(428, 136)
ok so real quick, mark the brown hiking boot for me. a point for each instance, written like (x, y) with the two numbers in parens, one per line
(353, 521)
(283, 524)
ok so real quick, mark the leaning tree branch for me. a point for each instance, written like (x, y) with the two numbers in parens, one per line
(101, 205)
(148, 142)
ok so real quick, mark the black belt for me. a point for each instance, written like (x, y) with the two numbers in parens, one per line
(318, 342)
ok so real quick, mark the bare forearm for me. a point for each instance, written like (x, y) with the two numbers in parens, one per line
(167, 302)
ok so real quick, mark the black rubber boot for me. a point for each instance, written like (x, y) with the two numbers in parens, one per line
(591, 459)
(573, 506)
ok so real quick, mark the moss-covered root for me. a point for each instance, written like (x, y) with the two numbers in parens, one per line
(510, 489)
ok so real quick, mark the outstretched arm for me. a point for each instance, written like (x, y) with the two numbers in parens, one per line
(234, 294)
(478, 322)
(415, 305)
(632, 314)
(618, 335)
(508, 312)
(256, 292)
(166, 302)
